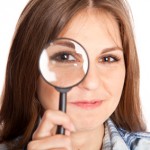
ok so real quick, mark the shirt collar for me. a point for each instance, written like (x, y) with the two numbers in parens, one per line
(112, 139)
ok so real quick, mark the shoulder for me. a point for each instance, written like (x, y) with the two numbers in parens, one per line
(135, 140)
(11, 144)
(129, 140)
(3, 147)
(125, 133)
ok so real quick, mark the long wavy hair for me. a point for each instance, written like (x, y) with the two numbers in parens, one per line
(40, 22)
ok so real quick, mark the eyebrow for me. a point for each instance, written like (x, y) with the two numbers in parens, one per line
(65, 43)
(105, 50)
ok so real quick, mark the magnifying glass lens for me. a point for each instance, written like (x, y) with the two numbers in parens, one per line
(63, 63)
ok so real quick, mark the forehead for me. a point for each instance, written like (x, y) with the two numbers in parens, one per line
(90, 23)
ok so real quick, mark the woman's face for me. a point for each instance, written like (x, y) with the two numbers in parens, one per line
(92, 102)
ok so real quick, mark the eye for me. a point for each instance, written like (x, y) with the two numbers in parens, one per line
(64, 57)
(108, 59)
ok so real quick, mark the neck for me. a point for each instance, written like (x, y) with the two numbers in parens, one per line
(88, 140)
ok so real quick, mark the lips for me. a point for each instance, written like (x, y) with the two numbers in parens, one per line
(87, 104)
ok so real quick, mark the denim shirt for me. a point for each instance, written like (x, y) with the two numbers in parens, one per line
(120, 139)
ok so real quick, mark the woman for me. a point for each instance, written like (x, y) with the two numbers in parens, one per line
(103, 111)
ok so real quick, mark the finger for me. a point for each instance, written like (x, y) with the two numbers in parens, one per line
(53, 142)
(49, 120)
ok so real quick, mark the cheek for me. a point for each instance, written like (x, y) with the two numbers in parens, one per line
(113, 78)
(47, 95)
(119, 80)
(116, 82)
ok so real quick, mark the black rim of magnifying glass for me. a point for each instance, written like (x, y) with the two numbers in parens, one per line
(69, 87)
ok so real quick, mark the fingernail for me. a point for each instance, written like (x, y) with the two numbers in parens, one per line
(73, 129)
(67, 132)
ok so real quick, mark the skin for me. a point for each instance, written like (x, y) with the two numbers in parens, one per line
(98, 32)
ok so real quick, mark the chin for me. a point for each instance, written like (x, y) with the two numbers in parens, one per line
(88, 124)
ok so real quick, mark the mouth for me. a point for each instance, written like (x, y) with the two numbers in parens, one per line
(87, 104)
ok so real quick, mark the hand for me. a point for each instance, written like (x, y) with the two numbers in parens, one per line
(44, 138)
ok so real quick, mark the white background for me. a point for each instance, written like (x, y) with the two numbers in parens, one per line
(10, 11)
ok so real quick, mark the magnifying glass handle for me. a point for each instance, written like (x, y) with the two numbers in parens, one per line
(62, 107)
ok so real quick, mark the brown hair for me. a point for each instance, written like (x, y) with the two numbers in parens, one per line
(40, 22)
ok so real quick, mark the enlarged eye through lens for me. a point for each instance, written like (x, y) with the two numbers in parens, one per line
(66, 57)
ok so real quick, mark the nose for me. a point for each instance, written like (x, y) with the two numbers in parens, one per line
(92, 80)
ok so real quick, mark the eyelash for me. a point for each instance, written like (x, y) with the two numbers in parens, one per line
(115, 59)
(57, 57)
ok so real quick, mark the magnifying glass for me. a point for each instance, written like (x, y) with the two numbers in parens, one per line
(63, 64)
